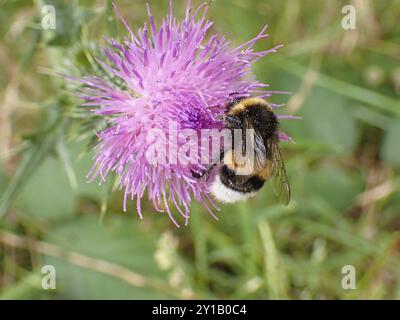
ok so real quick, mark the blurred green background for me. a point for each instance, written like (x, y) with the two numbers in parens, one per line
(343, 169)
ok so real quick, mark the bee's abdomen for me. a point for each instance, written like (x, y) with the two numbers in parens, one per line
(230, 188)
(243, 184)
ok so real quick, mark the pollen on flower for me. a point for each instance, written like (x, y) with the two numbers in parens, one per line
(177, 73)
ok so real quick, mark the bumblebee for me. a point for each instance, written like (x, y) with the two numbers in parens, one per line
(238, 176)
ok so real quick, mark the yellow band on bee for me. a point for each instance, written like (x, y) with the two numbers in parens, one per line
(248, 102)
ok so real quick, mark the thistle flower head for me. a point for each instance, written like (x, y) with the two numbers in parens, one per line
(178, 72)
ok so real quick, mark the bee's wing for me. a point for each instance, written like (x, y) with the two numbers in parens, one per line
(256, 143)
(280, 179)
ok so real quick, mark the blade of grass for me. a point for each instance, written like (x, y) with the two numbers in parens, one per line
(66, 161)
(24, 289)
(368, 97)
(200, 245)
(275, 274)
(87, 262)
(31, 160)
(249, 241)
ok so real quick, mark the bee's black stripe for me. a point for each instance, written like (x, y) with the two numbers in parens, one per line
(244, 184)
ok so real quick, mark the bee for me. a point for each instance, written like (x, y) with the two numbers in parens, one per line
(238, 176)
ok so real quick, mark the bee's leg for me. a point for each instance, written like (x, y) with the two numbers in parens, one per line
(203, 175)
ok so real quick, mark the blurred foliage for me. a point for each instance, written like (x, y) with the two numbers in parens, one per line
(343, 167)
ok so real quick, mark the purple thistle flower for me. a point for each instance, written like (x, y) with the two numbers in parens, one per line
(177, 72)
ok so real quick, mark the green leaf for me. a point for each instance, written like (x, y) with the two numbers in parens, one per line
(326, 121)
(2, 182)
(31, 160)
(333, 185)
(47, 194)
(82, 162)
(368, 97)
(29, 287)
(391, 144)
(117, 241)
